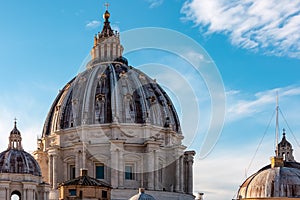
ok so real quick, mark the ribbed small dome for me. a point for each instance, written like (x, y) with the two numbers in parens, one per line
(111, 92)
(15, 131)
(273, 182)
(18, 161)
(15, 159)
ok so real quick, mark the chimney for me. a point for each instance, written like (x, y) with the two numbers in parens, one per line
(83, 172)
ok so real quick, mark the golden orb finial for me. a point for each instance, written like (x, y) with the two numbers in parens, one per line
(106, 15)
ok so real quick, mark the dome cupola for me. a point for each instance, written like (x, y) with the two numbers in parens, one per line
(15, 159)
(280, 179)
(111, 91)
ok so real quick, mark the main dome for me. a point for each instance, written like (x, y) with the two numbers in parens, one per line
(111, 92)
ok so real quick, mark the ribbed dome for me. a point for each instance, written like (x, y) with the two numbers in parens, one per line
(111, 92)
(18, 161)
(15, 159)
(15, 131)
(273, 182)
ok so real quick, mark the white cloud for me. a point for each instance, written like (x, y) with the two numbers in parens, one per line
(241, 105)
(93, 24)
(269, 26)
(155, 3)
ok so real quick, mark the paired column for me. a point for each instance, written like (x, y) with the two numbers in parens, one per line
(181, 174)
(189, 158)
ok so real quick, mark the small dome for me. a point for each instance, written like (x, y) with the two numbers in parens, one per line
(111, 92)
(18, 161)
(15, 130)
(15, 159)
(142, 196)
(273, 182)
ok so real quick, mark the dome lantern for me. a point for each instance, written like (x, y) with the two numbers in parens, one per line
(15, 139)
(285, 149)
(107, 46)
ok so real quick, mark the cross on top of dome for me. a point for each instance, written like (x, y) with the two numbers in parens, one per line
(106, 5)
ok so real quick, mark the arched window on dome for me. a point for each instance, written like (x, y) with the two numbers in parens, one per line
(67, 121)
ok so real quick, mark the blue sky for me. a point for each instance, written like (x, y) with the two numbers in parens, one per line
(255, 46)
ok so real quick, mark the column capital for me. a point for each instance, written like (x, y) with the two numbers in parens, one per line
(189, 156)
(53, 152)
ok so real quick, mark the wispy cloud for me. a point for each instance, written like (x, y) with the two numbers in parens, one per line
(93, 24)
(155, 3)
(243, 105)
(268, 26)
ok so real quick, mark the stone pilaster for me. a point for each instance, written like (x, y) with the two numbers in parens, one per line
(150, 170)
(77, 167)
(177, 175)
(50, 170)
(55, 170)
(116, 148)
(156, 174)
(121, 169)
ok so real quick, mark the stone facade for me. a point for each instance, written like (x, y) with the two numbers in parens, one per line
(167, 169)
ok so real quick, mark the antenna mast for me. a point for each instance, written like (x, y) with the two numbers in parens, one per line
(277, 125)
